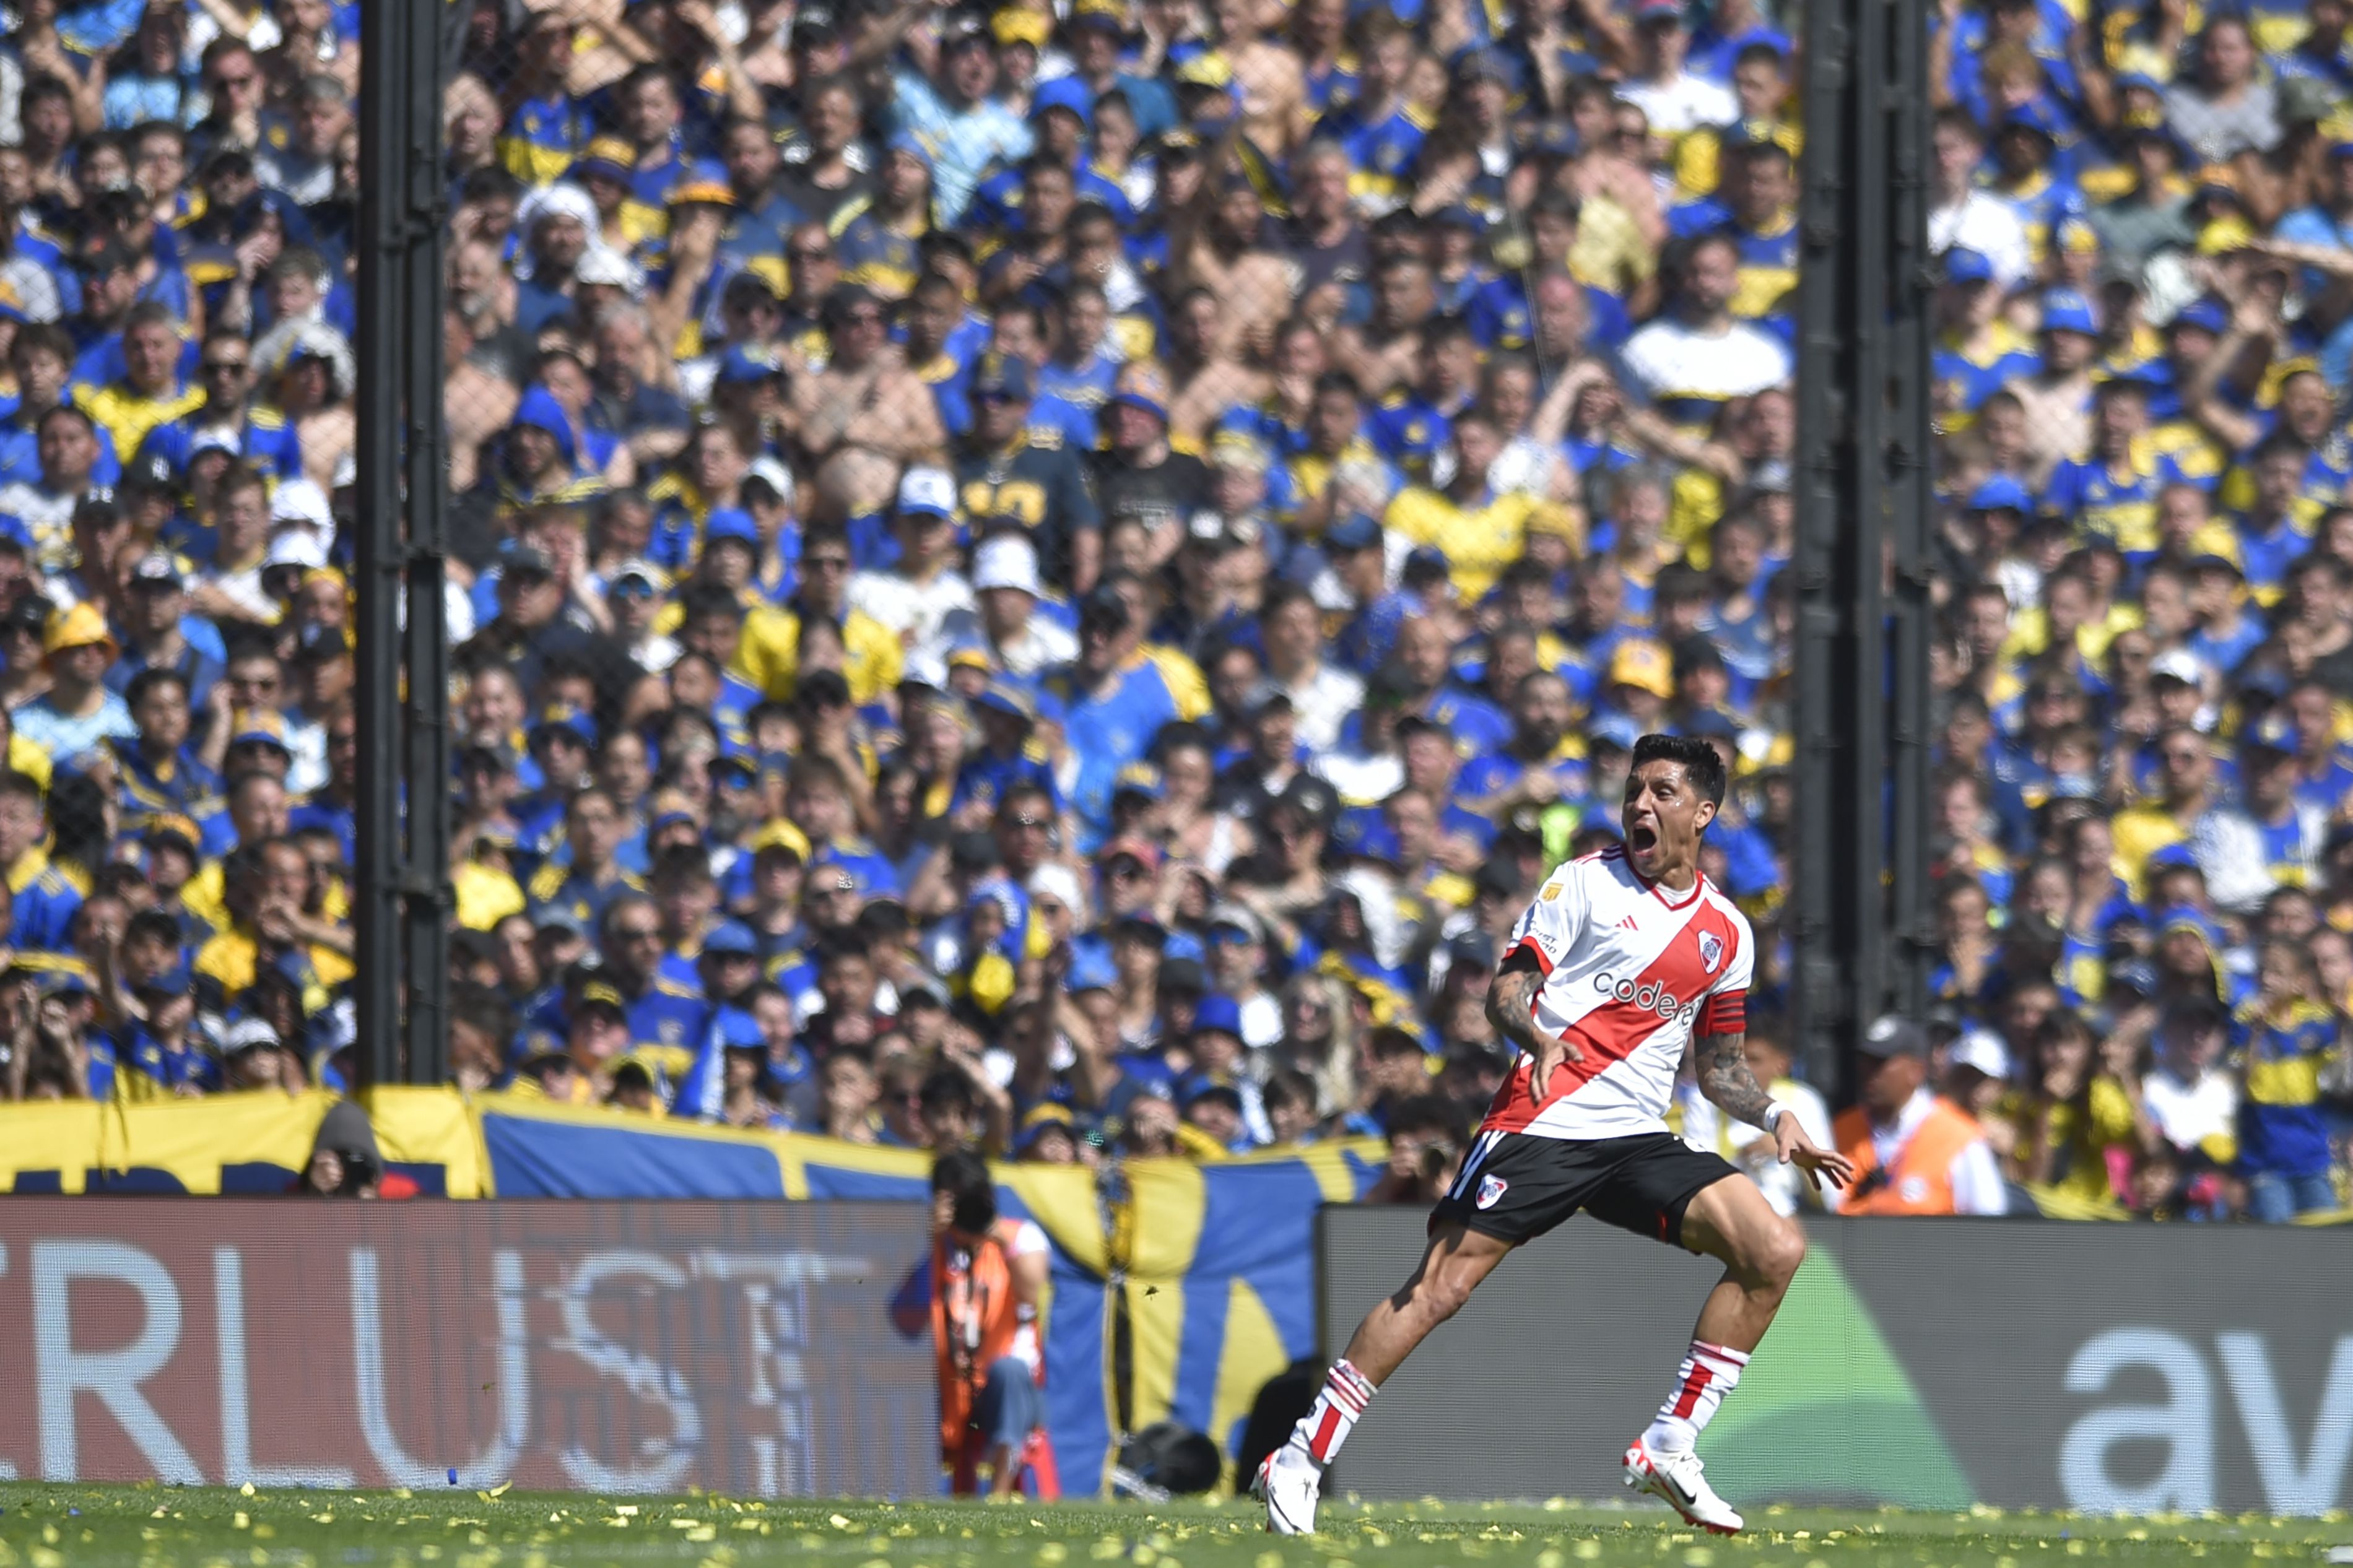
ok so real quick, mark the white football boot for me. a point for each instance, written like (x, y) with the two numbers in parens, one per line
(1679, 1481)
(1288, 1482)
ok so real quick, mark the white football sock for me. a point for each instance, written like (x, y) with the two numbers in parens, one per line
(1708, 1374)
(1334, 1413)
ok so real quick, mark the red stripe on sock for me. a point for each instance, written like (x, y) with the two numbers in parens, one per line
(1320, 1445)
(1694, 1385)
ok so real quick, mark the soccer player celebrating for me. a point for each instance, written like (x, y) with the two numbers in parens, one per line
(1622, 957)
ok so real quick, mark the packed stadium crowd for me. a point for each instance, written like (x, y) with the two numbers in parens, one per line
(1056, 578)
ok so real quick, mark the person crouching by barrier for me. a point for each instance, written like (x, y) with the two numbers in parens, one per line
(979, 1290)
(345, 1161)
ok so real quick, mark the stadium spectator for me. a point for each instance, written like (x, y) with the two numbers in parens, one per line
(1917, 1153)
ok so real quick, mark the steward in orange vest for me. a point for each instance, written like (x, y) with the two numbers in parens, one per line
(1916, 1176)
(987, 1276)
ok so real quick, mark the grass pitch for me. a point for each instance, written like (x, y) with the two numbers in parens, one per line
(58, 1526)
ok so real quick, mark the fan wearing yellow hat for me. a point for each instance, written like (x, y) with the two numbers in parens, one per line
(78, 711)
(1641, 680)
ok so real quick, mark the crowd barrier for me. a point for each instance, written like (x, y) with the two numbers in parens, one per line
(1213, 1266)
(1927, 1363)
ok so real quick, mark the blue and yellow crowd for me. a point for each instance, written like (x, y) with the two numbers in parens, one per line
(1056, 577)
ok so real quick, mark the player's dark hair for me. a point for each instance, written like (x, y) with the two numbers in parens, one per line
(1703, 765)
(963, 1176)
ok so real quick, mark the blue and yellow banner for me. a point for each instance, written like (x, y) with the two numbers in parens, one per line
(1222, 1286)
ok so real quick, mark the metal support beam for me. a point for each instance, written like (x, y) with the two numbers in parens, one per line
(403, 655)
(1911, 511)
(1861, 689)
(428, 900)
(1862, 764)
(1817, 913)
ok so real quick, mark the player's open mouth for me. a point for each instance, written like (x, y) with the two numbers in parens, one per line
(1641, 838)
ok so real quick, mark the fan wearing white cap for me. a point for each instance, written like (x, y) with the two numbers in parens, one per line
(1005, 627)
(301, 504)
(915, 594)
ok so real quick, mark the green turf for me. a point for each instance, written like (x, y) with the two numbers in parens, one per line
(47, 1526)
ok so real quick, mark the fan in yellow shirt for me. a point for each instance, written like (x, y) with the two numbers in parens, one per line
(2185, 772)
(1478, 532)
(777, 642)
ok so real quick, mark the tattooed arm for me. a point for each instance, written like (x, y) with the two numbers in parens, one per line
(1512, 1008)
(1725, 1079)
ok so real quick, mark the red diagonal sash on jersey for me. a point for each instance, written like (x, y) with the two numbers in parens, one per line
(1615, 1029)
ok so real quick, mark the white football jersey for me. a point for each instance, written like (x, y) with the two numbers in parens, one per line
(1632, 971)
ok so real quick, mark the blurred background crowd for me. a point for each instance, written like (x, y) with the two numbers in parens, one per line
(1055, 577)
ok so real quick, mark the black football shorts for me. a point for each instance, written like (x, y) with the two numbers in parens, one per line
(1516, 1187)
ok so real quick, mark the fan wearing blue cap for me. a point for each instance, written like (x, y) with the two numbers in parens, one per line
(1976, 352)
(2030, 172)
(2273, 838)
(2057, 397)
(2003, 493)
(1062, 117)
(540, 462)
(1014, 468)
(1215, 1047)
(1010, 753)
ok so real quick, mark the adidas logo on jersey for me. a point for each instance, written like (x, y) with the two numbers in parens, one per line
(1650, 996)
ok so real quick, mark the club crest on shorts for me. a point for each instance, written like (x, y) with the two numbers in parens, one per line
(1491, 1191)
(1710, 951)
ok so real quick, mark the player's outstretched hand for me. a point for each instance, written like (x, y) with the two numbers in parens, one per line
(1547, 1051)
(1797, 1149)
